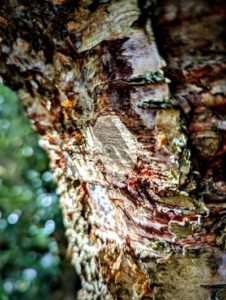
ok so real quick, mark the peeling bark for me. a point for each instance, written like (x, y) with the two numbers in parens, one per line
(136, 142)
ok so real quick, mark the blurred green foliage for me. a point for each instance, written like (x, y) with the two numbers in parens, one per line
(32, 243)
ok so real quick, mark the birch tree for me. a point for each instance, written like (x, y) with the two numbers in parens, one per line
(128, 98)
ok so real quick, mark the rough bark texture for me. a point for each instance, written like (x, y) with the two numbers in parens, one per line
(138, 155)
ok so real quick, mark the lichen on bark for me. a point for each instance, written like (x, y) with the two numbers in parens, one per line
(136, 142)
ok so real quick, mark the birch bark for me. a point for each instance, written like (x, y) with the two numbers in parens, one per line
(136, 142)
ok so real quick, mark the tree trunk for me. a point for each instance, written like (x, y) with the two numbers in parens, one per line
(136, 142)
